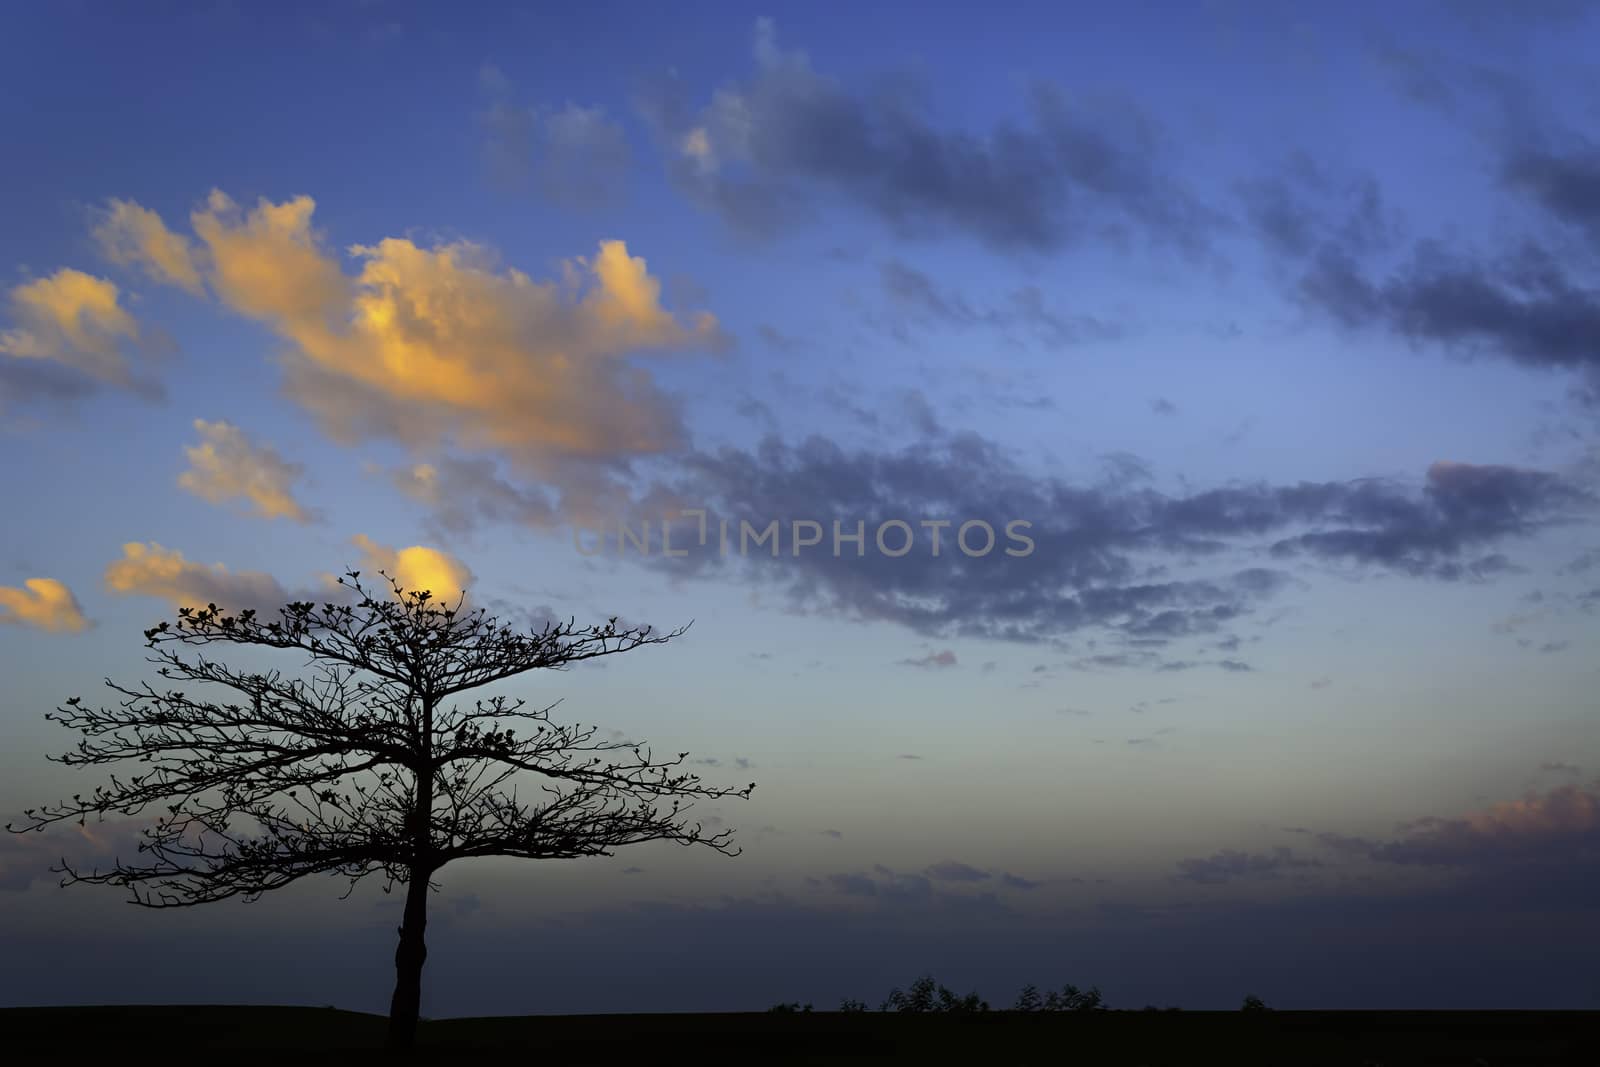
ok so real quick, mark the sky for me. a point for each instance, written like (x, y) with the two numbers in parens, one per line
(1275, 330)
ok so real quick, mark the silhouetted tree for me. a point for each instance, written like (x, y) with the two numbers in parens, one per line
(369, 767)
(1029, 999)
(1254, 1004)
(852, 1005)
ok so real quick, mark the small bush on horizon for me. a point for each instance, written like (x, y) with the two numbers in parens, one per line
(927, 995)
(792, 1006)
(1254, 1003)
(1071, 998)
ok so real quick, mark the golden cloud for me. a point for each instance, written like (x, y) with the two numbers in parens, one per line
(43, 603)
(130, 234)
(418, 569)
(74, 319)
(270, 265)
(151, 570)
(437, 346)
(226, 465)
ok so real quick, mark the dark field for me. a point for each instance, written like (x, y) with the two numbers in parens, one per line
(1113, 1037)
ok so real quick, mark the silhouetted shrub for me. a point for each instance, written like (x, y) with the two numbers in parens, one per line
(1071, 998)
(849, 1004)
(1029, 999)
(792, 1006)
(927, 995)
(1254, 1003)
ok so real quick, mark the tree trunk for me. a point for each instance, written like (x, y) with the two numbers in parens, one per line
(412, 952)
(406, 1005)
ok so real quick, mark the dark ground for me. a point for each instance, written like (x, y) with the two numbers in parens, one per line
(1508, 1038)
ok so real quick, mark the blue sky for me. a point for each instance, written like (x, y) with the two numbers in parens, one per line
(1277, 325)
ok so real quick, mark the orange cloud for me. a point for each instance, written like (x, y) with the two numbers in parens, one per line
(74, 319)
(418, 568)
(429, 343)
(154, 571)
(437, 346)
(130, 234)
(149, 569)
(43, 603)
(226, 465)
(270, 265)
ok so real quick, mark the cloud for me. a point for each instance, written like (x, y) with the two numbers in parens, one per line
(1549, 827)
(1230, 864)
(1094, 546)
(1542, 847)
(226, 465)
(133, 235)
(439, 346)
(461, 492)
(27, 382)
(955, 871)
(1462, 505)
(417, 568)
(916, 298)
(1532, 300)
(577, 156)
(1306, 206)
(1582, 563)
(853, 885)
(1524, 307)
(771, 151)
(153, 571)
(944, 658)
(43, 603)
(1016, 881)
(898, 892)
(74, 321)
(26, 858)
(1567, 186)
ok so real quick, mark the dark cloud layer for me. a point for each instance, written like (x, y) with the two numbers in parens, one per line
(766, 153)
(1524, 306)
(1230, 864)
(1567, 186)
(1100, 552)
(1560, 827)
(1533, 299)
